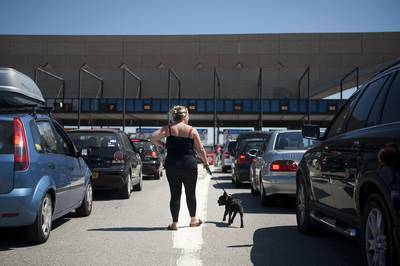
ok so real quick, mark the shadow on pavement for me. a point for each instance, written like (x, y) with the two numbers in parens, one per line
(280, 204)
(219, 224)
(105, 195)
(15, 237)
(129, 229)
(284, 245)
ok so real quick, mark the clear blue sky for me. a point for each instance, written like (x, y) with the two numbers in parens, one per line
(149, 17)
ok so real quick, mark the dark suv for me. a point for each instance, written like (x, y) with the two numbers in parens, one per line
(350, 182)
(151, 157)
(247, 144)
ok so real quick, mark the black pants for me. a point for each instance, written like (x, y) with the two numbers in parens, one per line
(177, 176)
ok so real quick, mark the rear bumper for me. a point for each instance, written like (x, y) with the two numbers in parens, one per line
(243, 174)
(18, 202)
(279, 184)
(108, 179)
(150, 167)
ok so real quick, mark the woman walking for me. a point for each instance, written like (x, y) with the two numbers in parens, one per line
(181, 163)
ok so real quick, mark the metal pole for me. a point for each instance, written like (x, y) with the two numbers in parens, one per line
(357, 76)
(341, 90)
(260, 95)
(169, 88)
(215, 105)
(35, 74)
(309, 95)
(123, 99)
(79, 97)
(140, 89)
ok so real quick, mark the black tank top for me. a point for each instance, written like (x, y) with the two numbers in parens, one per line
(180, 152)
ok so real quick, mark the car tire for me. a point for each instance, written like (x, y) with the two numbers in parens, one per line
(157, 175)
(252, 189)
(265, 200)
(238, 182)
(303, 218)
(139, 186)
(39, 232)
(86, 207)
(379, 237)
(224, 169)
(125, 191)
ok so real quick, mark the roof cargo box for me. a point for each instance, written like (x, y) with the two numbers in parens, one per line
(18, 89)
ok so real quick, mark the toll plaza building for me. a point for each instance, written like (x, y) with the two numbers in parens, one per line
(226, 80)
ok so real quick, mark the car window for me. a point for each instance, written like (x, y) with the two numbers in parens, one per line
(252, 145)
(6, 137)
(358, 118)
(94, 139)
(391, 111)
(337, 125)
(49, 139)
(126, 142)
(64, 146)
(292, 141)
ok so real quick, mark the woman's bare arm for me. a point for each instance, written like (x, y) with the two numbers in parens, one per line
(158, 135)
(199, 147)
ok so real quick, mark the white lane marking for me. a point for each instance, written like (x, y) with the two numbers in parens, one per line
(190, 239)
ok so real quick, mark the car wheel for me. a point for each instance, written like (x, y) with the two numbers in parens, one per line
(86, 207)
(265, 200)
(39, 232)
(304, 222)
(224, 169)
(139, 186)
(376, 235)
(125, 191)
(252, 188)
(238, 182)
(157, 175)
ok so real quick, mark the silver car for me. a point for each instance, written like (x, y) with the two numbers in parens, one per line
(273, 170)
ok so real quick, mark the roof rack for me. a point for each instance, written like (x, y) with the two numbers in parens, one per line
(26, 108)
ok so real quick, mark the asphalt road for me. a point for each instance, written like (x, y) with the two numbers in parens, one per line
(132, 232)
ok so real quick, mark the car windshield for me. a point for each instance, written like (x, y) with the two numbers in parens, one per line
(292, 141)
(146, 145)
(94, 139)
(253, 145)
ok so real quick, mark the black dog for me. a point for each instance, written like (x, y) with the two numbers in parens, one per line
(232, 206)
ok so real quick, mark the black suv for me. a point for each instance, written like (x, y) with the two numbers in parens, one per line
(151, 157)
(350, 181)
(246, 146)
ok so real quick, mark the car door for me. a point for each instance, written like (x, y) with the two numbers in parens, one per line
(67, 150)
(54, 165)
(347, 156)
(324, 159)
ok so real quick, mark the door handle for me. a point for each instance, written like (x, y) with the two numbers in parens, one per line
(51, 165)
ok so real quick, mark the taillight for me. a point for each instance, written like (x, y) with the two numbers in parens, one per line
(283, 166)
(21, 159)
(242, 158)
(119, 157)
(152, 154)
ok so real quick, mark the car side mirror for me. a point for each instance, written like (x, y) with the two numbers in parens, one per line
(310, 131)
(252, 152)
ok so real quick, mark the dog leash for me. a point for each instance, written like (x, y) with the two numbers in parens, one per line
(210, 173)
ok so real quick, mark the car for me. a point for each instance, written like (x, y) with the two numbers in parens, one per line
(273, 170)
(247, 144)
(350, 181)
(151, 157)
(228, 155)
(111, 157)
(43, 177)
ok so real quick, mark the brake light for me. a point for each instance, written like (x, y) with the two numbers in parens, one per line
(119, 157)
(152, 154)
(135, 140)
(21, 159)
(283, 166)
(242, 158)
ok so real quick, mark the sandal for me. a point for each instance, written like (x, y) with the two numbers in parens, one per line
(171, 228)
(196, 224)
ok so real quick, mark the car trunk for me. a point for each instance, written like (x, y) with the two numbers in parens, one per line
(6, 156)
(101, 157)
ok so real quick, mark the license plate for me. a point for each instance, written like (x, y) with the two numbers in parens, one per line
(95, 175)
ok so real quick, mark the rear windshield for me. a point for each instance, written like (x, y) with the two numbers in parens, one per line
(94, 139)
(146, 145)
(6, 137)
(292, 141)
(253, 145)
